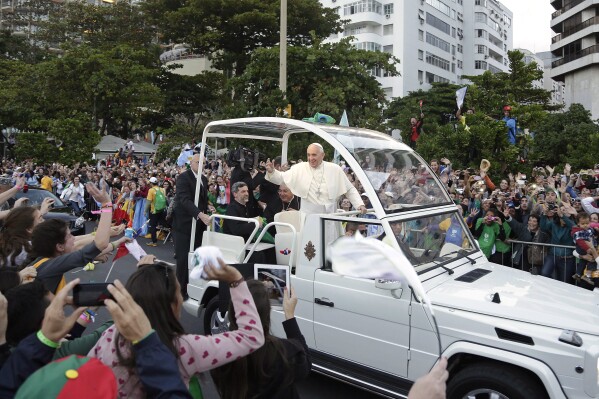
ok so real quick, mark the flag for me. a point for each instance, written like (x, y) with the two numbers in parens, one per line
(185, 156)
(120, 252)
(459, 96)
(420, 103)
(344, 121)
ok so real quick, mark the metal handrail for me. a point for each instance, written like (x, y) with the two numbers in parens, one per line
(264, 231)
(566, 8)
(247, 220)
(589, 22)
(589, 50)
(543, 244)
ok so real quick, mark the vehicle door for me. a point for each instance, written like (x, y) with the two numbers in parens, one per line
(355, 320)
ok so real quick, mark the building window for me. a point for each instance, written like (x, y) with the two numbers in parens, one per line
(420, 76)
(460, 64)
(437, 61)
(388, 49)
(362, 6)
(437, 42)
(480, 3)
(420, 54)
(480, 65)
(480, 33)
(452, 31)
(356, 30)
(439, 5)
(437, 23)
(480, 17)
(453, 67)
(481, 49)
(420, 35)
(460, 48)
(432, 78)
(369, 46)
(452, 49)
(388, 9)
(388, 92)
(387, 30)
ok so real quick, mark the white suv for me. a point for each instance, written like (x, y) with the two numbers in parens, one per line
(506, 333)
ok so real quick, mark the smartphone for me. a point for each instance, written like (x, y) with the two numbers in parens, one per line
(91, 294)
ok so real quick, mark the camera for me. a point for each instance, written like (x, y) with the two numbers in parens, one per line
(245, 158)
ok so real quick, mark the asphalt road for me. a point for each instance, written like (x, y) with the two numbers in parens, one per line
(316, 386)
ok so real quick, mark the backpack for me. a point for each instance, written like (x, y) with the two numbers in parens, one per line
(536, 253)
(159, 200)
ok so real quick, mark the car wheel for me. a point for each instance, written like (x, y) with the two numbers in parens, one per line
(214, 321)
(492, 381)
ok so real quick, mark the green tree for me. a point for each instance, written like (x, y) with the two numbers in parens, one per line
(230, 30)
(65, 140)
(567, 137)
(327, 78)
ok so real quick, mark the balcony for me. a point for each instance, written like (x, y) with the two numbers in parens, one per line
(569, 58)
(566, 8)
(589, 22)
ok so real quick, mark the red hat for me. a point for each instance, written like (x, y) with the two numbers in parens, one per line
(71, 377)
(507, 108)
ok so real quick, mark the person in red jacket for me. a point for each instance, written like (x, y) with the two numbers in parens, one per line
(416, 129)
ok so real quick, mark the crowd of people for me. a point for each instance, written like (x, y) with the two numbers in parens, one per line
(144, 350)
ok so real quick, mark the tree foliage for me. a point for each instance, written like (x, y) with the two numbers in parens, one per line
(230, 30)
(568, 137)
(327, 78)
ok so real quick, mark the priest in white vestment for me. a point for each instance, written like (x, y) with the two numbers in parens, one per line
(318, 183)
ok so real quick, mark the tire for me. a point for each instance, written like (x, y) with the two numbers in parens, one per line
(214, 321)
(490, 380)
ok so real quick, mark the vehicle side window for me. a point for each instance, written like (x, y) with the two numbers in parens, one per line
(333, 230)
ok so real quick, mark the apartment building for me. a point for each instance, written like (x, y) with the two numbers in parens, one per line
(557, 88)
(435, 40)
(576, 45)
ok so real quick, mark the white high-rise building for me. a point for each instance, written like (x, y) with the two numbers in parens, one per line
(435, 40)
(576, 47)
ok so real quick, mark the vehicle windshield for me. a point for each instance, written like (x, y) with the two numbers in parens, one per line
(399, 176)
(36, 197)
(432, 240)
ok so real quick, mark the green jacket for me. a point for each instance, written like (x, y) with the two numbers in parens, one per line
(81, 346)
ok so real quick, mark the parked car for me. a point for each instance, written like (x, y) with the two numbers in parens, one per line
(506, 333)
(59, 210)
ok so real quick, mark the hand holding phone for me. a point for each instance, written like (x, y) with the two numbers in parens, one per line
(91, 294)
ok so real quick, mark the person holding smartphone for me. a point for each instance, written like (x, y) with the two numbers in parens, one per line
(488, 231)
(271, 371)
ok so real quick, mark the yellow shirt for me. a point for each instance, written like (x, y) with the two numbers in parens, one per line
(46, 183)
(152, 194)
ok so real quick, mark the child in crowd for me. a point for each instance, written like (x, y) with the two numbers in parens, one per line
(585, 239)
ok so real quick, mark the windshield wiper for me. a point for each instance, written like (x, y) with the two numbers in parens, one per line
(461, 252)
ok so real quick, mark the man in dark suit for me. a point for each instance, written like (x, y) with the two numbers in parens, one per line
(184, 212)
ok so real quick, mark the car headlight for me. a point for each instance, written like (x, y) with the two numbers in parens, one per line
(79, 222)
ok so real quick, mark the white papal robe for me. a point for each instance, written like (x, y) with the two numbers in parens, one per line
(319, 188)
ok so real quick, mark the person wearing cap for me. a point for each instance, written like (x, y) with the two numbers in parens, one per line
(510, 123)
(318, 183)
(156, 205)
(28, 374)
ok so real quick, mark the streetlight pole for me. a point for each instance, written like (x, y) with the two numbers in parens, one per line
(283, 49)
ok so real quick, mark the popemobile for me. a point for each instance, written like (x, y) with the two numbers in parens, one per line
(506, 333)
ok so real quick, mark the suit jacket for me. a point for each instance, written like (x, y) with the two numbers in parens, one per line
(238, 228)
(185, 210)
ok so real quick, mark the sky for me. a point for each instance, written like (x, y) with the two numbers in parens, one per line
(531, 23)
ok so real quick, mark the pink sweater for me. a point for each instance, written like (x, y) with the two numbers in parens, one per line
(197, 353)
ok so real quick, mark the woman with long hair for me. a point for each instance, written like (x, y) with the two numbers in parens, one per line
(156, 289)
(272, 371)
(15, 240)
(53, 246)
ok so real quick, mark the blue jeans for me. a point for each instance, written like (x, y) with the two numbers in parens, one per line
(564, 267)
(75, 206)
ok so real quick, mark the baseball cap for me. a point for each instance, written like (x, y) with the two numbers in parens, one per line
(153, 180)
(71, 377)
